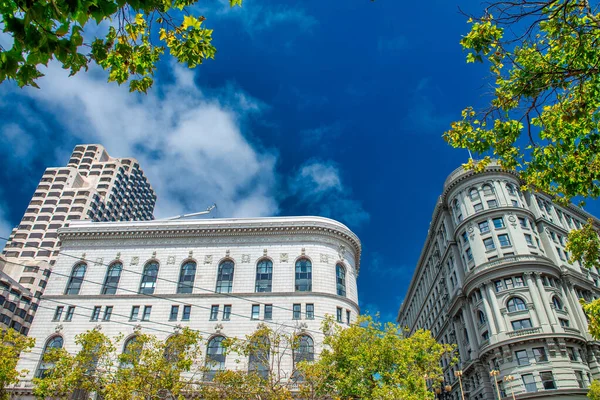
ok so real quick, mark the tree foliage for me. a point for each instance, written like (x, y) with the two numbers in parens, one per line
(140, 31)
(543, 119)
(370, 360)
(594, 392)
(12, 346)
(148, 369)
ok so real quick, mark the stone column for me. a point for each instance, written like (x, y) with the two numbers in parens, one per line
(495, 307)
(533, 292)
(473, 333)
(459, 340)
(488, 311)
(545, 300)
(575, 308)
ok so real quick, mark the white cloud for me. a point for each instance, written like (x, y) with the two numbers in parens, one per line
(190, 145)
(318, 186)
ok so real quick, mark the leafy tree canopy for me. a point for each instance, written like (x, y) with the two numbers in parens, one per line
(140, 31)
(12, 346)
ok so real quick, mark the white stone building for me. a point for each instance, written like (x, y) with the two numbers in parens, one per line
(92, 186)
(494, 278)
(221, 277)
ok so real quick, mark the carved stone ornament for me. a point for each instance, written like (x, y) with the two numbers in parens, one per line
(191, 253)
(227, 253)
(137, 328)
(171, 260)
(118, 257)
(303, 251)
(135, 260)
(283, 257)
(324, 258)
(218, 328)
(58, 328)
(154, 254)
(83, 255)
(512, 220)
(98, 327)
(245, 258)
(177, 328)
(341, 251)
(265, 252)
(99, 261)
(208, 259)
(302, 326)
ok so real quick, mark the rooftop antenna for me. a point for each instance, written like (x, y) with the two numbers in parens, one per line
(207, 211)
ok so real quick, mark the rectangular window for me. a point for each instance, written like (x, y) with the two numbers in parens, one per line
(547, 380)
(499, 286)
(268, 312)
(492, 204)
(226, 312)
(297, 311)
(348, 317)
(498, 222)
(580, 379)
(522, 357)
(529, 383)
(174, 313)
(519, 282)
(528, 239)
(107, 313)
(469, 254)
(515, 203)
(310, 311)
(478, 207)
(187, 310)
(560, 254)
(553, 236)
(135, 310)
(255, 311)
(564, 322)
(504, 240)
(508, 282)
(572, 354)
(147, 311)
(96, 313)
(339, 314)
(58, 313)
(489, 244)
(540, 354)
(465, 237)
(484, 227)
(521, 324)
(70, 312)
(214, 312)
(523, 222)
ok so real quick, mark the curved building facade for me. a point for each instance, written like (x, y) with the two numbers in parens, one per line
(222, 277)
(494, 278)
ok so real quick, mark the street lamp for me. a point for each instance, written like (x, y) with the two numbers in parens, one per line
(459, 374)
(443, 392)
(494, 373)
(510, 378)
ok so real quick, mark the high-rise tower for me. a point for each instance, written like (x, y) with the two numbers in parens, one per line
(92, 186)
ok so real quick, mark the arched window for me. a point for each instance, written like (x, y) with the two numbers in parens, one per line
(187, 275)
(76, 279)
(259, 358)
(481, 315)
(304, 351)
(111, 282)
(487, 189)
(340, 277)
(264, 276)
(303, 275)
(510, 189)
(474, 194)
(131, 351)
(225, 277)
(172, 350)
(515, 304)
(215, 358)
(557, 303)
(55, 342)
(149, 278)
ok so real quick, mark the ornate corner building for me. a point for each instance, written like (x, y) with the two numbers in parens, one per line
(222, 277)
(494, 278)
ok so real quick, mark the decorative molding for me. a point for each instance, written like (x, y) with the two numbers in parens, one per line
(135, 260)
(171, 260)
(118, 257)
(227, 253)
(283, 257)
(154, 254)
(264, 252)
(341, 251)
(99, 261)
(324, 258)
(191, 254)
(218, 328)
(208, 259)
(58, 328)
(245, 258)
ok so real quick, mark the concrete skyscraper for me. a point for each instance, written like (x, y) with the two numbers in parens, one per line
(93, 186)
(494, 277)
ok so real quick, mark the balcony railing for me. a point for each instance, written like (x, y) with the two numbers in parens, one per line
(526, 331)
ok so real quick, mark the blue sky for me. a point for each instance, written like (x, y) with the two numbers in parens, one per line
(311, 107)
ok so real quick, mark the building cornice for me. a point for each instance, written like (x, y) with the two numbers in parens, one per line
(230, 227)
